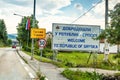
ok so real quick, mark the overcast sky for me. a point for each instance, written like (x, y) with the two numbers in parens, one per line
(54, 11)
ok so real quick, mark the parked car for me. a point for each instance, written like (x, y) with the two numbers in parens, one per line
(13, 46)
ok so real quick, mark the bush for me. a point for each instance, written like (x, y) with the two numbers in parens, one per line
(79, 75)
(47, 53)
(117, 56)
(46, 50)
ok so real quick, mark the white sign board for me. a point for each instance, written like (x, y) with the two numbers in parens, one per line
(75, 37)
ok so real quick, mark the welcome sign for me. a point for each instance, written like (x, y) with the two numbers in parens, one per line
(75, 37)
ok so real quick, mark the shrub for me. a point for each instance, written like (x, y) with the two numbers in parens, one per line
(117, 56)
(79, 75)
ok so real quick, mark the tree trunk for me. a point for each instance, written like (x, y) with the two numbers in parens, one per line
(118, 48)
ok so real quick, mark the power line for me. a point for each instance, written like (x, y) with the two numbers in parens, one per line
(87, 11)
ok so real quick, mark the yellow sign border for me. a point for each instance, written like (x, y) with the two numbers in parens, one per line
(38, 33)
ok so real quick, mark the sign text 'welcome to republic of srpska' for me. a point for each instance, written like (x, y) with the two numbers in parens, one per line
(75, 37)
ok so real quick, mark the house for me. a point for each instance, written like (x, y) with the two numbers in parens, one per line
(112, 48)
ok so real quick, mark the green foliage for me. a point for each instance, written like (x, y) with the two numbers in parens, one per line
(9, 41)
(3, 33)
(74, 59)
(40, 76)
(79, 75)
(78, 59)
(116, 56)
(48, 45)
(102, 35)
(28, 49)
(23, 34)
(117, 74)
(114, 29)
(47, 53)
(112, 32)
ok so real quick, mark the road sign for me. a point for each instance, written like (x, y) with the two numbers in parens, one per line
(38, 33)
(75, 37)
(42, 43)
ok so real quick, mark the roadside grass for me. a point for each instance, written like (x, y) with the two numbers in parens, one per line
(39, 58)
(79, 75)
(44, 59)
(80, 59)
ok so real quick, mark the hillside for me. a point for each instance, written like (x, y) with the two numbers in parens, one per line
(12, 36)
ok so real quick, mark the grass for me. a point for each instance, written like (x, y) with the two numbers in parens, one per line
(39, 58)
(80, 59)
(47, 60)
(79, 75)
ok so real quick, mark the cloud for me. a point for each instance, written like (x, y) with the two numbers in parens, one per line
(52, 7)
(25, 8)
(113, 3)
(53, 4)
(46, 22)
(78, 6)
(99, 10)
(90, 19)
(97, 15)
(47, 12)
(18, 2)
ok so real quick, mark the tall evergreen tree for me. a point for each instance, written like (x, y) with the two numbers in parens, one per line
(3, 32)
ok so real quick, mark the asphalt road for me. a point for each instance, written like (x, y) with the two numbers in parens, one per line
(11, 67)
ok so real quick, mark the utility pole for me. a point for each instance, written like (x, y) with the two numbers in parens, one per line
(32, 48)
(106, 48)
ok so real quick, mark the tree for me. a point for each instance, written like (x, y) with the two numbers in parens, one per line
(22, 33)
(114, 29)
(3, 32)
(112, 33)
(9, 42)
(48, 45)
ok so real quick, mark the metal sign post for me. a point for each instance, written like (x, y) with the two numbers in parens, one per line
(94, 58)
(41, 53)
(55, 55)
(42, 44)
(106, 51)
(32, 45)
(37, 34)
(106, 27)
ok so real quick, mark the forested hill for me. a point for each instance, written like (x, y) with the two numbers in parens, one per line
(12, 36)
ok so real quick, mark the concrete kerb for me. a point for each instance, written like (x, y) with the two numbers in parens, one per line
(27, 62)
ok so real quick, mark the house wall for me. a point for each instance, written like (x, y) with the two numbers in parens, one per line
(112, 48)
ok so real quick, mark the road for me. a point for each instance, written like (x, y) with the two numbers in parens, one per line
(11, 67)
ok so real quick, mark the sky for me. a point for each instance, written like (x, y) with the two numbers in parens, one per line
(54, 11)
